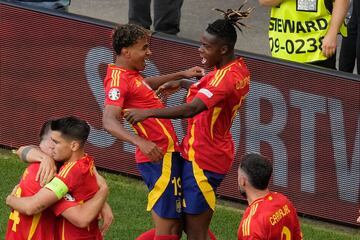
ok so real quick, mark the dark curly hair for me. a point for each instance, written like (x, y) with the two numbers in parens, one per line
(258, 169)
(224, 28)
(127, 35)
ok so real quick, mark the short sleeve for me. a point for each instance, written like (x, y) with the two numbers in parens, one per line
(213, 92)
(66, 202)
(116, 89)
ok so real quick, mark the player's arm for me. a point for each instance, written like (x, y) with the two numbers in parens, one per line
(112, 122)
(47, 169)
(186, 110)
(155, 82)
(82, 215)
(340, 9)
(269, 3)
(34, 204)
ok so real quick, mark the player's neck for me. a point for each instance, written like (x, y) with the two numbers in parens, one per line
(76, 156)
(121, 62)
(226, 60)
(255, 194)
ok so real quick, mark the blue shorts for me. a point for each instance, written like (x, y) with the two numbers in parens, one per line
(199, 188)
(164, 184)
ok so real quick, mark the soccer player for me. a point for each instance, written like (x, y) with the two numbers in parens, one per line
(79, 216)
(211, 105)
(270, 215)
(77, 176)
(157, 153)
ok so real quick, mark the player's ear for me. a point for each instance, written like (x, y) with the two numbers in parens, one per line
(75, 145)
(125, 52)
(224, 49)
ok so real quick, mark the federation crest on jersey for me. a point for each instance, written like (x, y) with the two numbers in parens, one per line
(69, 197)
(114, 94)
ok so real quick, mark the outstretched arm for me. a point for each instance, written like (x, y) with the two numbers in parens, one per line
(155, 82)
(186, 110)
(112, 122)
(47, 169)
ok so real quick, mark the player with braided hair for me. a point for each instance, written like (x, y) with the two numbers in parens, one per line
(207, 148)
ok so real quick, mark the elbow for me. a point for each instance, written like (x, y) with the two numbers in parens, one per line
(30, 210)
(106, 123)
(191, 111)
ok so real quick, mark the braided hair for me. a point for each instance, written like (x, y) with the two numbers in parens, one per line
(127, 35)
(225, 28)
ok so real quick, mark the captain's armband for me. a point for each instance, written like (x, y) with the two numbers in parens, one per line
(58, 187)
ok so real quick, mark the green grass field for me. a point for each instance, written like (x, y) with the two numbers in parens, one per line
(128, 201)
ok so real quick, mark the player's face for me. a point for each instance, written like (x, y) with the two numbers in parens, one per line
(138, 53)
(210, 50)
(46, 145)
(62, 148)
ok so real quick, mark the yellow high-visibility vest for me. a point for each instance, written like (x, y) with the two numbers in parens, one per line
(297, 28)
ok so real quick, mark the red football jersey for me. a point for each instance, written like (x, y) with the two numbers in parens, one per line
(127, 89)
(81, 182)
(208, 141)
(40, 226)
(272, 218)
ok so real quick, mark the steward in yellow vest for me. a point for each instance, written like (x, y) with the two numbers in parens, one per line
(305, 30)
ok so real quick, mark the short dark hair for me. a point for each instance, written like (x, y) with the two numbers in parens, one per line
(127, 35)
(258, 170)
(72, 128)
(45, 129)
(224, 28)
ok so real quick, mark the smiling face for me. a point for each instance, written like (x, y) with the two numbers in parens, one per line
(138, 53)
(211, 50)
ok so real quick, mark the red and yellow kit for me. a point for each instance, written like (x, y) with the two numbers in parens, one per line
(208, 141)
(127, 89)
(79, 181)
(40, 226)
(272, 217)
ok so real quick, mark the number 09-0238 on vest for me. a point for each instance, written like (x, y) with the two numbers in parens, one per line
(297, 28)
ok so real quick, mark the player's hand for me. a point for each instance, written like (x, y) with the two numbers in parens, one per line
(11, 195)
(197, 72)
(13, 192)
(329, 44)
(358, 220)
(134, 115)
(107, 217)
(46, 172)
(165, 90)
(150, 149)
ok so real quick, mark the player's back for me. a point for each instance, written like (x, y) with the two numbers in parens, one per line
(272, 217)
(39, 226)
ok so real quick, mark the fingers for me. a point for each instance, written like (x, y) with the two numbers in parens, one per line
(156, 154)
(106, 225)
(13, 192)
(329, 51)
(46, 172)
